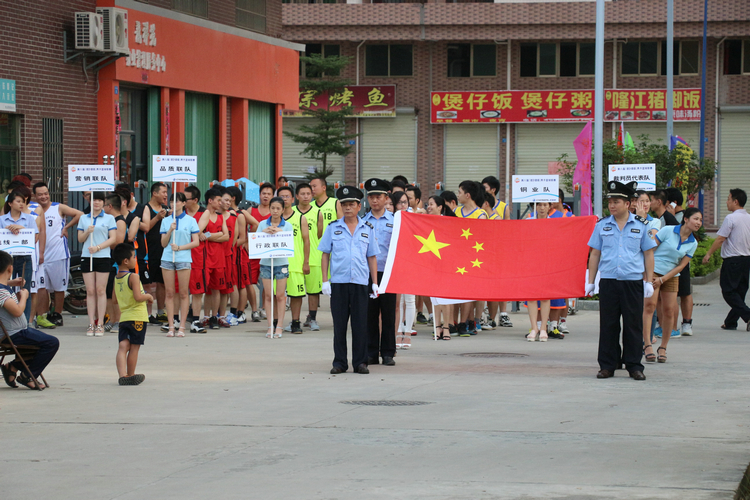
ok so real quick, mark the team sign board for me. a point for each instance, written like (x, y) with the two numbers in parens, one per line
(535, 188)
(642, 173)
(17, 244)
(270, 246)
(175, 168)
(91, 177)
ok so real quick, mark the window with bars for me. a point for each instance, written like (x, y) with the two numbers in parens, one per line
(10, 147)
(557, 59)
(251, 14)
(643, 58)
(52, 157)
(197, 8)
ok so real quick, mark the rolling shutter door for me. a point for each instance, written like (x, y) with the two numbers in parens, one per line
(260, 142)
(538, 144)
(201, 124)
(389, 147)
(297, 164)
(657, 131)
(471, 152)
(734, 151)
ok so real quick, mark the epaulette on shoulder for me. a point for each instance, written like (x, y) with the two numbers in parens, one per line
(641, 219)
(369, 224)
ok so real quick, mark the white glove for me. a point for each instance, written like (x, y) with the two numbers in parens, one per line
(589, 290)
(374, 294)
(327, 288)
(648, 289)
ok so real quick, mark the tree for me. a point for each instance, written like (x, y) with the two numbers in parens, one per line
(679, 167)
(328, 135)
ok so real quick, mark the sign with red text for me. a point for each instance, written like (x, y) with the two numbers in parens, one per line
(360, 100)
(512, 106)
(651, 105)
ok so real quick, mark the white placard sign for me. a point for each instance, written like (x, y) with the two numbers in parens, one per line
(642, 173)
(17, 244)
(91, 177)
(168, 168)
(270, 246)
(535, 188)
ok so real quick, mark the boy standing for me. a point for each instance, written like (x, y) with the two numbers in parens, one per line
(197, 273)
(299, 264)
(216, 233)
(133, 315)
(314, 280)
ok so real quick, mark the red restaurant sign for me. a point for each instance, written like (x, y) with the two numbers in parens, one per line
(363, 100)
(525, 106)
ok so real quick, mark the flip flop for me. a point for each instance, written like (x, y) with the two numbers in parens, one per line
(7, 373)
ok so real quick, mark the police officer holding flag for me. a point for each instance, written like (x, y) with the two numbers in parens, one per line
(623, 252)
(350, 249)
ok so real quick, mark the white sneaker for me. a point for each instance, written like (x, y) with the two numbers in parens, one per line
(242, 318)
(314, 326)
(197, 328)
(255, 316)
(306, 324)
(231, 319)
(563, 326)
(687, 329)
(165, 326)
(288, 328)
(263, 314)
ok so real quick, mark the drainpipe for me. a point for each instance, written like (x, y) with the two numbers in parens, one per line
(716, 135)
(356, 124)
(507, 125)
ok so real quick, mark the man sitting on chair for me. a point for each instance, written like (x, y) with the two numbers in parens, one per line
(14, 322)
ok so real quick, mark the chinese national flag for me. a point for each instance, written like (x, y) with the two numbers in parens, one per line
(491, 260)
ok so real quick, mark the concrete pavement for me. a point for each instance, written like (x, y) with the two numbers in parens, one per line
(232, 414)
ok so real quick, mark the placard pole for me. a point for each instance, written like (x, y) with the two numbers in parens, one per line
(434, 322)
(174, 217)
(273, 297)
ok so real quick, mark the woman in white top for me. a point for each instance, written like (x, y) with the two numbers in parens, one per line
(98, 232)
(443, 313)
(407, 305)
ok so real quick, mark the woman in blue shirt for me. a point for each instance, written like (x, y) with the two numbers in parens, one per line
(98, 232)
(280, 272)
(675, 247)
(179, 235)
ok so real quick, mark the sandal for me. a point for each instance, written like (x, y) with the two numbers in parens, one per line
(446, 332)
(181, 331)
(531, 337)
(649, 357)
(98, 331)
(277, 334)
(439, 336)
(269, 335)
(9, 372)
(662, 358)
(170, 333)
(23, 379)
(90, 331)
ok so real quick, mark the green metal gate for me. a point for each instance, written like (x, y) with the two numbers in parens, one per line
(260, 142)
(201, 135)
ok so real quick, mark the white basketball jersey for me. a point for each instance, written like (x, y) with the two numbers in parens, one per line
(56, 247)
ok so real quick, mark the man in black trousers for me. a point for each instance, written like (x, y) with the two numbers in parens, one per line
(380, 343)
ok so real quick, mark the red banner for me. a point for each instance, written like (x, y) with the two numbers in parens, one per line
(528, 106)
(361, 100)
(487, 259)
(651, 105)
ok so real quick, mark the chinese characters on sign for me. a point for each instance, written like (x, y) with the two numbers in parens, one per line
(17, 244)
(621, 105)
(175, 168)
(91, 177)
(535, 188)
(145, 34)
(270, 246)
(8, 95)
(361, 100)
(512, 106)
(643, 173)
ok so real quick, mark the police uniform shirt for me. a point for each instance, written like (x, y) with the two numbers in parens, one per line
(349, 251)
(621, 251)
(383, 229)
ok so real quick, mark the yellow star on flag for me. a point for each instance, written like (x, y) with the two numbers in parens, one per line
(465, 233)
(430, 244)
(462, 270)
(476, 263)
(478, 246)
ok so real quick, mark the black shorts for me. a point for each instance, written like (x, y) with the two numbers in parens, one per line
(143, 272)
(684, 282)
(133, 331)
(101, 265)
(111, 281)
(154, 265)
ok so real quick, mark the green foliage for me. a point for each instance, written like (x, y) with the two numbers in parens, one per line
(697, 267)
(328, 135)
(692, 171)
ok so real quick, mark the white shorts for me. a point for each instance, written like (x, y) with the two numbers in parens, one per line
(37, 278)
(56, 275)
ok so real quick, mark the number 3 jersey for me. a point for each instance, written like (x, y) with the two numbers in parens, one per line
(56, 248)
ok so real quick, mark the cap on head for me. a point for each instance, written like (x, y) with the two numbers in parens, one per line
(349, 193)
(377, 186)
(619, 190)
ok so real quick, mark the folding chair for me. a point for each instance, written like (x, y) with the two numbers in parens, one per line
(7, 348)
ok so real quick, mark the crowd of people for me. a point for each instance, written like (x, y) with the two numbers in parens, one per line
(174, 264)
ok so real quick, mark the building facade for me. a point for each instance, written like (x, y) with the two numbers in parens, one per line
(196, 77)
(459, 61)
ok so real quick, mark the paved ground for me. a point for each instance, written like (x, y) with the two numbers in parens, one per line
(232, 415)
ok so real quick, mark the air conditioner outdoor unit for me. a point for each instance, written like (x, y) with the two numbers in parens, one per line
(115, 29)
(89, 31)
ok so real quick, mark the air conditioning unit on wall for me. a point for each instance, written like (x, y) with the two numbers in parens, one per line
(115, 29)
(89, 31)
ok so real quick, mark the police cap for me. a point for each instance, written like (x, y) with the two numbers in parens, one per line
(619, 190)
(349, 193)
(377, 186)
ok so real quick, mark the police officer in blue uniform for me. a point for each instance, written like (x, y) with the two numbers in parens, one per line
(350, 248)
(623, 252)
(381, 343)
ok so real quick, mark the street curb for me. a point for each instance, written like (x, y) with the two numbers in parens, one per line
(588, 305)
(702, 280)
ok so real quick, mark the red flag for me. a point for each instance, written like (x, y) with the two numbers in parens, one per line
(582, 174)
(491, 260)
